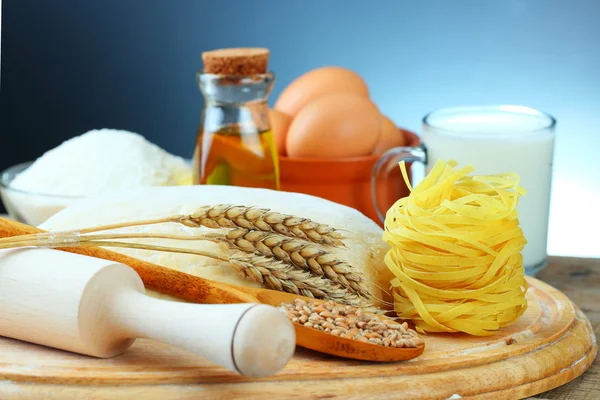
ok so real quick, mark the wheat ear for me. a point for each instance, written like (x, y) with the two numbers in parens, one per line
(279, 276)
(263, 219)
(296, 252)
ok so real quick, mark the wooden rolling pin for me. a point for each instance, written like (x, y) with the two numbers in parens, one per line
(96, 307)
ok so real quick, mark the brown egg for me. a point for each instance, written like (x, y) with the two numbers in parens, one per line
(317, 83)
(391, 136)
(335, 126)
(280, 122)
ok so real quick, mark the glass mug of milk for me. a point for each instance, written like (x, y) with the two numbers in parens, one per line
(494, 139)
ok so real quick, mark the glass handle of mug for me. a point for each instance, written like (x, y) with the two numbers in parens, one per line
(406, 154)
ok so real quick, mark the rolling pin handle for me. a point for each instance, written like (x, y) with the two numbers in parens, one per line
(254, 340)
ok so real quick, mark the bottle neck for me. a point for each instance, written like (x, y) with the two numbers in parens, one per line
(235, 103)
(235, 91)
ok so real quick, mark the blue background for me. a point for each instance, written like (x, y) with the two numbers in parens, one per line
(71, 66)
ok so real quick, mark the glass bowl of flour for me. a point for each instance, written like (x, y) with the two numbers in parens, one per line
(29, 207)
(95, 163)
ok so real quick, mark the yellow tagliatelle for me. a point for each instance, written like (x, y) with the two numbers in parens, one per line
(456, 251)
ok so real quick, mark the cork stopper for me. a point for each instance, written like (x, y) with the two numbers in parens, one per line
(236, 61)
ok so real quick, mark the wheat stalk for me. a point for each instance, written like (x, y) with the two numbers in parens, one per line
(230, 216)
(296, 252)
(270, 273)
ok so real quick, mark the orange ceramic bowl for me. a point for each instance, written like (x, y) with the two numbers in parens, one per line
(345, 180)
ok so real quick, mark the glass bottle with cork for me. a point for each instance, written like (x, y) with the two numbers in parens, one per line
(235, 145)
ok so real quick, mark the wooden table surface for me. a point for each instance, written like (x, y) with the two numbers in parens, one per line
(579, 279)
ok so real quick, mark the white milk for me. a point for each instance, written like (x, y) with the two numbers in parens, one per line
(496, 140)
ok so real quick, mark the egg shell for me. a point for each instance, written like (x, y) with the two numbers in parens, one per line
(391, 136)
(335, 126)
(318, 83)
(280, 123)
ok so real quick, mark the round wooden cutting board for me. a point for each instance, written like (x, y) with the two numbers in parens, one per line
(550, 345)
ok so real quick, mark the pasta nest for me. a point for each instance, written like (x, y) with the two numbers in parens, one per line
(456, 251)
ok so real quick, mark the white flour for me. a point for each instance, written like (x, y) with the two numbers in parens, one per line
(102, 161)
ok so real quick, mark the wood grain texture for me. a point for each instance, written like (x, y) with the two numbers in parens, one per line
(550, 345)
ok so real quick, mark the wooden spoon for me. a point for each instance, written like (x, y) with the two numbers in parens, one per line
(195, 289)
